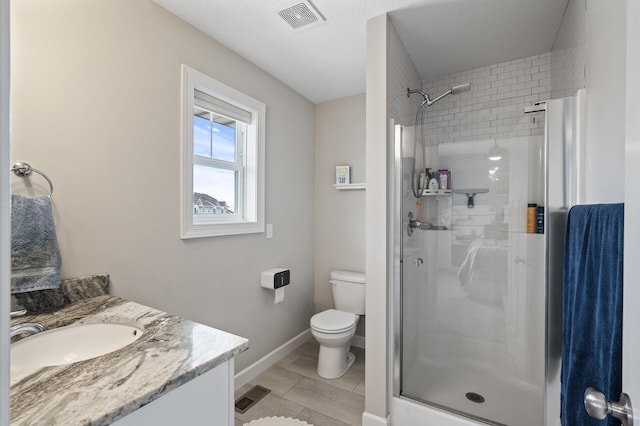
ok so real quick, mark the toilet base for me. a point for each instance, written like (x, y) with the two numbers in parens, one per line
(334, 362)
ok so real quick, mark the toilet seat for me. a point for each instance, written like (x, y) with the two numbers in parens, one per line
(333, 321)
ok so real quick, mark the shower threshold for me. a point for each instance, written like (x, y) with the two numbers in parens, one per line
(414, 399)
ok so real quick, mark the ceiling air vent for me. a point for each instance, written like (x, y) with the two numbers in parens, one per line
(299, 13)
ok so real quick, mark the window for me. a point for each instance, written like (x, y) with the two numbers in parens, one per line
(222, 159)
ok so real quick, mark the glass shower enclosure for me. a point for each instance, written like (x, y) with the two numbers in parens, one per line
(478, 271)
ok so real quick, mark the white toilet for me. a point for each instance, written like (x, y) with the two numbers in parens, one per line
(334, 328)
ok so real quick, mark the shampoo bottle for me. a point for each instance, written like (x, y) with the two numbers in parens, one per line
(433, 183)
(540, 220)
(531, 217)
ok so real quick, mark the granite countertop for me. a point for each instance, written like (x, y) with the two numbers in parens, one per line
(99, 391)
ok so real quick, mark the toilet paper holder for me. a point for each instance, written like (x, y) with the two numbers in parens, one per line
(275, 278)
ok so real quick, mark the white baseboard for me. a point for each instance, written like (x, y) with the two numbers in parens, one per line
(245, 376)
(358, 341)
(369, 419)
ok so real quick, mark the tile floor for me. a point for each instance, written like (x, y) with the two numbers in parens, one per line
(297, 391)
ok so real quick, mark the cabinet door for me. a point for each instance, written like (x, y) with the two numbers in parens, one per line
(206, 400)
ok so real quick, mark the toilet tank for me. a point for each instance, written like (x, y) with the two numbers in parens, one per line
(348, 291)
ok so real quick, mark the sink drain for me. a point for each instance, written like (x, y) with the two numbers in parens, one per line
(475, 397)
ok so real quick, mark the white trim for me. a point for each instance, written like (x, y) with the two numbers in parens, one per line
(406, 412)
(261, 365)
(254, 157)
(580, 142)
(369, 419)
(5, 212)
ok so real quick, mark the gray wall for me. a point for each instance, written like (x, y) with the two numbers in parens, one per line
(340, 215)
(96, 106)
(389, 72)
(590, 51)
(605, 81)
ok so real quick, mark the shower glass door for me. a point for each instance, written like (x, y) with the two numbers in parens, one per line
(473, 281)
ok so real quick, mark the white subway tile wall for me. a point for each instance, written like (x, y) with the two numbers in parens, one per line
(494, 107)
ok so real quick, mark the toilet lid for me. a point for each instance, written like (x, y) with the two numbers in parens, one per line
(333, 321)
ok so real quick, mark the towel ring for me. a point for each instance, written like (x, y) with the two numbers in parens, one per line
(24, 169)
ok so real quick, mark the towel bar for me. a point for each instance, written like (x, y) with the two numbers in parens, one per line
(24, 169)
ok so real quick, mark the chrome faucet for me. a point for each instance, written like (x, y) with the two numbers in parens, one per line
(27, 327)
(18, 313)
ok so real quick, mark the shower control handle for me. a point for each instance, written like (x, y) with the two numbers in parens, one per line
(418, 262)
(415, 224)
(598, 407)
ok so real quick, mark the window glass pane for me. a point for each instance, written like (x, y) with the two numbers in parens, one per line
(214, 190)
(201, 134)
(223, 137)
(214, 136)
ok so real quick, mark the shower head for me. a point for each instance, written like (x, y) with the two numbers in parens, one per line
(460, 88)
(428, 101)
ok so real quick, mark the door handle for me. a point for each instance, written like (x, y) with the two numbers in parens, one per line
(598, 407)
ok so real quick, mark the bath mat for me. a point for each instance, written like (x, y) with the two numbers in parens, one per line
(277, 421)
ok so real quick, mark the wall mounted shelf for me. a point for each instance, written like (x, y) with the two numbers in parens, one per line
(432, 192)
(349, 186)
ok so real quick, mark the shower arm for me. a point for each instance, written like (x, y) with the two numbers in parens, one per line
(431, 102)
(428, 101)
(425, 96)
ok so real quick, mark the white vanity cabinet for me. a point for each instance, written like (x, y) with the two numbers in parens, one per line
(179, 372)
(206, 400)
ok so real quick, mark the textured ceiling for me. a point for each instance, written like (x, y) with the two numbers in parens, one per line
(327, 61)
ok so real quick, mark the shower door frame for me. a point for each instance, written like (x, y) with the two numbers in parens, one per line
(563, 165)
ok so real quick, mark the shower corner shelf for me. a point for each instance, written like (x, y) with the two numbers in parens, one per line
(347, 186)
(435, 192)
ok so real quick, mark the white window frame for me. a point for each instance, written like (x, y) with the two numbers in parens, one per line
(249, 217)
(238, 166)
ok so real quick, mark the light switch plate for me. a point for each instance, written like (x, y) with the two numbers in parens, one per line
(269, 230)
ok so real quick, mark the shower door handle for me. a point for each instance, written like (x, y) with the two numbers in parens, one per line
(598, 407)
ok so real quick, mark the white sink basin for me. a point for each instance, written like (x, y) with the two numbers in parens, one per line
(73, 343)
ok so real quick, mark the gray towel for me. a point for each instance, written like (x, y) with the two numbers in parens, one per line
(35, 256)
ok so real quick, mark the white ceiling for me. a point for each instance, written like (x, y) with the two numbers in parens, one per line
(327, 61)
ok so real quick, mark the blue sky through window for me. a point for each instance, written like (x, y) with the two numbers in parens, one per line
(214, 140)
(219, 183)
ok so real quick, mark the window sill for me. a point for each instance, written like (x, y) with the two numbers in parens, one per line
(222, 229)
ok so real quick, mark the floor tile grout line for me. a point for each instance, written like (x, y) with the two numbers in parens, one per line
(300, 374)
(352, 390)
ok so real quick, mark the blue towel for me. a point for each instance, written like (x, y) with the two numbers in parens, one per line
(592, 309)
(35, 256)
